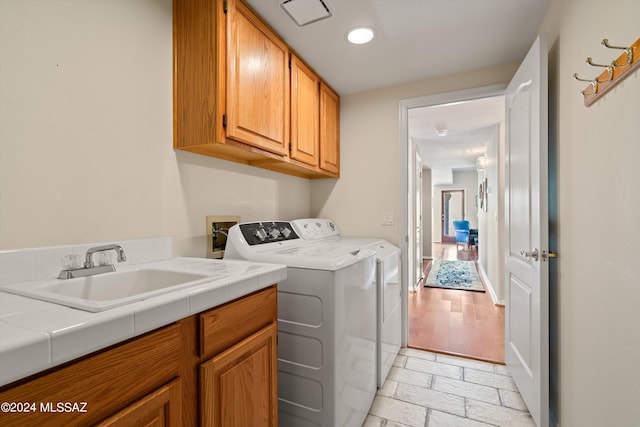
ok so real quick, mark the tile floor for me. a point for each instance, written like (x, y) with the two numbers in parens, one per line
(426, 389)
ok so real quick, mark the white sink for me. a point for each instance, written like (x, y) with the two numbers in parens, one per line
(108, 290)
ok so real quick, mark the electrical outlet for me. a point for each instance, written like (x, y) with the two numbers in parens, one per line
(217, 227)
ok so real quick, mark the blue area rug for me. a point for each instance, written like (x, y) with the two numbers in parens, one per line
(454, 275)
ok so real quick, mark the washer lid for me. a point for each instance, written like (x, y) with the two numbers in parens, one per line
(382, 247)
(315, 258)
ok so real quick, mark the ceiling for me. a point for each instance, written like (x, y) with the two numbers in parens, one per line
(417, 40)
(469, 126)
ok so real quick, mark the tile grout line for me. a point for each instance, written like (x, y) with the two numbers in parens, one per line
(466, 416)
(500, 397)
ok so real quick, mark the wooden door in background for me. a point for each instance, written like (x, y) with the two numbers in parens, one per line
(452, 210)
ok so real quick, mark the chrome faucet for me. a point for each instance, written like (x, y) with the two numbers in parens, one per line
(88, 262)
(90, 268)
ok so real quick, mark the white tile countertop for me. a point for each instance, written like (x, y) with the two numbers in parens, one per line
(36, 335)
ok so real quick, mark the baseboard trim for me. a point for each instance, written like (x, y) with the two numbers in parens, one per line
(487, 282)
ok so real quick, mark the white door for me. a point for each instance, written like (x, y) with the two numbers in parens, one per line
(527, 278)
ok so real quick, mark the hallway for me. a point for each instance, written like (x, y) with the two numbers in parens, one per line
(462, 323)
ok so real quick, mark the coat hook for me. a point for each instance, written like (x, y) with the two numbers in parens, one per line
(590, 62)
(627, 50)
(594, 82)
(608, 67)
(605, 43)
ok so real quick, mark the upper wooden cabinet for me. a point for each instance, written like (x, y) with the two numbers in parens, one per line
(329, 130)
(305, 116)
(240, 95)
(257, 82)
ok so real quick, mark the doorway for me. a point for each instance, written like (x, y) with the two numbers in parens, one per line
(452, 208)
(448, 207)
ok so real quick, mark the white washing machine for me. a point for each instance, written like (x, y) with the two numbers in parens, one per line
(326, 322)
(388, 288)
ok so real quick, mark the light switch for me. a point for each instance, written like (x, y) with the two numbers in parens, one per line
(388, 218)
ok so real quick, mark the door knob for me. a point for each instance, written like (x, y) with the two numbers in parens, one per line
(533, 255)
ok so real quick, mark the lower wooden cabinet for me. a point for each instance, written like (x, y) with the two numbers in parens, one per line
(165, 378)
(94, 388)
(162, 407)
(239, 386)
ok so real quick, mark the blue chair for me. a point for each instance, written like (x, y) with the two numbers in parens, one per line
(462, 232)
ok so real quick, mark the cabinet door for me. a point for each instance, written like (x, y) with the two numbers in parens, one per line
(239, 386)
(163, 407)
(198, 73)
(304, 113)
(257, 82)
(329, 130)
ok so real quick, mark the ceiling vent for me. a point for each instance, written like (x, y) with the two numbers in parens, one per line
(304, 12)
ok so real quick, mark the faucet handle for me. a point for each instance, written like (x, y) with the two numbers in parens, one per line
(71, 262)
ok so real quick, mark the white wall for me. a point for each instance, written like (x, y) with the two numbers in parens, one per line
(86, 134)
(491, 221)
(370, 179)
(595, 288)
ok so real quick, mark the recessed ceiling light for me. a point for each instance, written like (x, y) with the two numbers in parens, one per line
(443, 131)
(360, 35)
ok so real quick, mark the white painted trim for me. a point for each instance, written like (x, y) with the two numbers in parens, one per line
(487, 282)
(403, 121)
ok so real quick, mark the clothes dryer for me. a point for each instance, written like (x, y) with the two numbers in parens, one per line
(326, 322)
(388, 287)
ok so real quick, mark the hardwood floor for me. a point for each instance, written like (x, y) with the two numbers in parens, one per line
(450, 321)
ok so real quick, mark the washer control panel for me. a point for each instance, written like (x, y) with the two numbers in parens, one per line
(257, 233)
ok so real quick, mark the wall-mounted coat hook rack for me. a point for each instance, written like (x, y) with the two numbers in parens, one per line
(615, 72)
